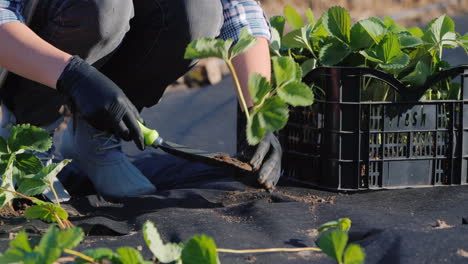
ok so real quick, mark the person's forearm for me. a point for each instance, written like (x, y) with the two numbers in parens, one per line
(26, 54)
(256, 59)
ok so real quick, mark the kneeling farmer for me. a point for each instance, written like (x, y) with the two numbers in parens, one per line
(109, 59)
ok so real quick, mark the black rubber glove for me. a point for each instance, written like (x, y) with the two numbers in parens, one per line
(264, 157)
(100, 101)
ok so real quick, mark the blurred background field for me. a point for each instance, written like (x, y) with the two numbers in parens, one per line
(407, 12)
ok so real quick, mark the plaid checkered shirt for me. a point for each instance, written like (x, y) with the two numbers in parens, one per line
(237, 15)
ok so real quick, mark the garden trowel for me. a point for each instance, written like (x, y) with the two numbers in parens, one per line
(153, 139)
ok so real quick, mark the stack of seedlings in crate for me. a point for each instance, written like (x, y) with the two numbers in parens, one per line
(388, 110)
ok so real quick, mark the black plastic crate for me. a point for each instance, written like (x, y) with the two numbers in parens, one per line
(344, 143)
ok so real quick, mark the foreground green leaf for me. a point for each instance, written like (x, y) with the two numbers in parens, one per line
(19, 248)
(278, 23)
(284, 69)
(333, 244)
(418, 76)
(3, 146)
(165, 253)
(273, 114)
(127, 255)
(337, 22)
(31, 187)
(374, 27)
(360, 39)
(205, 48)
(333, 53)
(343, 224)
(46, 212)
(30, 138)
(28, 163)
(200, 249)
(98, 254)
(49, 173)
(438, 28)
(310, 15)
(7, 181)
(296, 94)
(245, 42)
(293, 18)
(254, 130)
(354, 254)
(258, 88)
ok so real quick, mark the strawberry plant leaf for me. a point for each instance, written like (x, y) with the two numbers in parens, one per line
(259, 87)
(418, 76)
(30, 138)
(293, 18)
(19, 248)
(437, 28)
(463, 42)
(275, 42)
(298, 38)
(374, 27)
(410, 41)
(3, 146)
(200, 249)
(278, 23)
(48, 248)
(354, 254)
(28, 163)
(392, 26)
(7, 181)
(245, 42)
(165, 253)
(454, 92)
(284, 69)
(310, 16)
(307, 66)
(396, 63)
(296, 94)
(334, 52)
(49, 173)
(127, 255)
(273, 114)
(449, 40)
(31, 187)
(98, 254)
(337, 22)
(46, 212)
(343, 224)
(205, 48)
(70, 237)
(333, 244)
(360, 39)
(254, 130)
(416, 32)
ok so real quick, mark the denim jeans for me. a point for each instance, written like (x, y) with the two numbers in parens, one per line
(138, 44)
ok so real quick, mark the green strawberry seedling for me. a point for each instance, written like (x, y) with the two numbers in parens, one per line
(31, 176)
(409, 54)
(334, 243)
(270, 111)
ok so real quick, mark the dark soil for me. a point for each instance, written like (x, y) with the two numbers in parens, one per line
(19, 206)
(233, 161)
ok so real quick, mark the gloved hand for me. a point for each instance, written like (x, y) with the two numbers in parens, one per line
(100, 101)
(265, 157)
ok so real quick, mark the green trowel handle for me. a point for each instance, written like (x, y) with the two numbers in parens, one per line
(152, 137)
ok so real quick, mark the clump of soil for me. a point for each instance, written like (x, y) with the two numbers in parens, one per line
(19, 206)
(308, 198)
(237, 197)
(233, 161)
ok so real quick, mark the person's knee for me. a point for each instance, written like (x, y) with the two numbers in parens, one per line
(205, 18)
